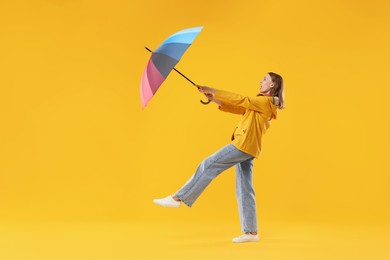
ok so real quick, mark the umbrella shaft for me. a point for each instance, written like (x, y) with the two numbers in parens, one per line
(176, 70)
(184, 76)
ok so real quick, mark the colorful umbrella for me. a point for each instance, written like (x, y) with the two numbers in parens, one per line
(163, 61)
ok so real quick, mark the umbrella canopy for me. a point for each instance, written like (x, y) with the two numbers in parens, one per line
(163, 60)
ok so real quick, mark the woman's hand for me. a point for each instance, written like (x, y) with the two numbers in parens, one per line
(206, 90)
(210, 97)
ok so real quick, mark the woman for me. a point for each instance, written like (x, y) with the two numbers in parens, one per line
(245, 145)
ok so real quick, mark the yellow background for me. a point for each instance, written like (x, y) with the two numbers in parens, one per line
(76, 147)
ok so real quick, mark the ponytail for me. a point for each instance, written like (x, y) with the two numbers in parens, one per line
(277, 90)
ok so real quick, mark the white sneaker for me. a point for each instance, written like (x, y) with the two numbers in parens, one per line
(245, 238)
(167, 202)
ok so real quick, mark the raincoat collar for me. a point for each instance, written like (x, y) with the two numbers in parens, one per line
(262, 94)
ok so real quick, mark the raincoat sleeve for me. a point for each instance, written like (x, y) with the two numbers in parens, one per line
(257, 103)
(226, 107)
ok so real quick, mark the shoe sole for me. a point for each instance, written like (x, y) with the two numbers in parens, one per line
(245, 241)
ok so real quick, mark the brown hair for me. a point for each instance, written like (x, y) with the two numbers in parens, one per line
(277, 90)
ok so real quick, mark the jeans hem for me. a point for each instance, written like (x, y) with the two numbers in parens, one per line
(249, 231)
(183, 201)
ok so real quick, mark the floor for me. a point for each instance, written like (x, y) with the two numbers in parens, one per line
(168, 240)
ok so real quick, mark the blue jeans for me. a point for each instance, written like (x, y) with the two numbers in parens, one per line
(211, 167)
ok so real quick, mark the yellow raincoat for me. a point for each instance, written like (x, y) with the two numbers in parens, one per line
(257, 113)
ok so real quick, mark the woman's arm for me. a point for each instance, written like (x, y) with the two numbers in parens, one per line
(257, 103)
(226, 107)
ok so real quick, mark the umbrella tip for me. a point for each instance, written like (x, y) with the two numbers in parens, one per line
(147, 48)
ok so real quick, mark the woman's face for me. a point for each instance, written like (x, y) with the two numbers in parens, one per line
(266, 84)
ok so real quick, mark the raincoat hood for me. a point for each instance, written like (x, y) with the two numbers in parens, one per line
(274, 108)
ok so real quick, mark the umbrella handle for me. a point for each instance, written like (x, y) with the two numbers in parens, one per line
(205, 103)
(201, 101)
